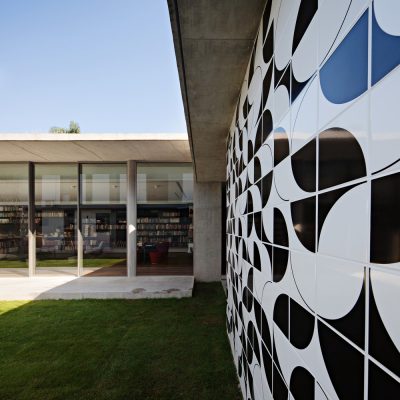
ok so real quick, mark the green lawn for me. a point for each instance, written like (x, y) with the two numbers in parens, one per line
(13, 264)
(87, 263)
(117, 349)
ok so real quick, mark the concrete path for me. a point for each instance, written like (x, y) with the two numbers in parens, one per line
(68, 288)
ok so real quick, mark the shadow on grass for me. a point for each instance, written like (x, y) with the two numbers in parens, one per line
(117, 349)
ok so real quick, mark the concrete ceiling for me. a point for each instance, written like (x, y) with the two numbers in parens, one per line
(213, 41)
(50, 147)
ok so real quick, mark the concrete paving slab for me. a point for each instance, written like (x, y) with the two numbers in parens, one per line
(73, 288)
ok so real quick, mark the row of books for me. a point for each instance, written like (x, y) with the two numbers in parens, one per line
(170, 214)
(162, 233)
(182, 240)
(12, 214)
(106, 227)
(162, 226)
(47, 214)
(11, 208)
(146, 220)
(14, 220)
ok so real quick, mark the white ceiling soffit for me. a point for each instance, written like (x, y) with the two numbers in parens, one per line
(50, 147)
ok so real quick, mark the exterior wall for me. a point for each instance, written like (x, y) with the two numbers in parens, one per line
(313, 204)
(207, 229)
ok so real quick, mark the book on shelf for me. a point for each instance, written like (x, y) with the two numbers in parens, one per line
(160, 225)
(50, 214)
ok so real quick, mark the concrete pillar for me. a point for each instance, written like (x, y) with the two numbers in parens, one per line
(80, 247)
(207, 230)
(31, 253)
(131, 218)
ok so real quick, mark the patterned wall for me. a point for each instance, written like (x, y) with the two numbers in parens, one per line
(313, 204)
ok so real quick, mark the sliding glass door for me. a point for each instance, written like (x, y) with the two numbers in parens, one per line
(103, 219)
(14, 198)
(56, 195)
(164, 218)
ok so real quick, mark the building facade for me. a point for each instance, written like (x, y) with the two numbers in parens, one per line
(100, 205)
(312, 188)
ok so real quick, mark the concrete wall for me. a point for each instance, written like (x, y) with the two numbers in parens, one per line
(207, 231)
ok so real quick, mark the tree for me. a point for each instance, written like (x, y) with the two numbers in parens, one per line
(73, 128)
(57, 129)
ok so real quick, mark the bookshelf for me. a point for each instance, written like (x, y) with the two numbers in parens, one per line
(13, 229)
(55, 229)
(162, 224)
(108, 227)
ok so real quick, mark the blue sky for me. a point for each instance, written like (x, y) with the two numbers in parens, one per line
(108, 64)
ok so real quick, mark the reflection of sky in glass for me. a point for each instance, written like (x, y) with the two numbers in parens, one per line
(165, 183)
(104, 184)
(56, 184)
(14, 183)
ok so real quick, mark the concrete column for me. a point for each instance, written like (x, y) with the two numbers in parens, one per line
(131, 218)
(207, 230)
(80, 249)
(31, 222)
(31, 253)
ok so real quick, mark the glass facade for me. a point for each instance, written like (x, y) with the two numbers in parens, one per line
(63, 202)
(14, 199)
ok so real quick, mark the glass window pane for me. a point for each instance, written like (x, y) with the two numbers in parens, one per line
(13, 238)
(104, 241)
(164, 218)
(14, 184)
(56, 184)
(103, 184)
(56, 245)
(56, 195)
(14, 196)
(162, 183)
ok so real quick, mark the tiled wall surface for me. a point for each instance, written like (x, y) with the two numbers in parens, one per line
(313, 204)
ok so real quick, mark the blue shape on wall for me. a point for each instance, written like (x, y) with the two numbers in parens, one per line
(385, 51)
(345, 75)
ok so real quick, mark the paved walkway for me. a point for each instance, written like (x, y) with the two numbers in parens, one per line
(70, 287)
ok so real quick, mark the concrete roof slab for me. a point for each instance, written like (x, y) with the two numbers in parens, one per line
(213, 42)
(202, 19)
(94, 147)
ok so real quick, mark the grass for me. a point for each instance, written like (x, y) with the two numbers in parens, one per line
(13, 264)
(117, 349)
(87, 263)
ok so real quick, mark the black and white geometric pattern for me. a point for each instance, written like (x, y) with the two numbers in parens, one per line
(313, 204)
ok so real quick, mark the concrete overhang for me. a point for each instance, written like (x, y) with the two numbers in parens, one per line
(50, 147)
(213, 41)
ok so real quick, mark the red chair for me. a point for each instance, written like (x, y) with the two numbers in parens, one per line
(160, 253)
